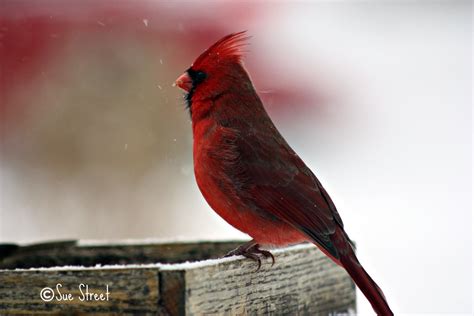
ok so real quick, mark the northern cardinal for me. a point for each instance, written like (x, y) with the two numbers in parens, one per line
(249, 174)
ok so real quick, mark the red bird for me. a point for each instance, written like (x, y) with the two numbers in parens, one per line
(249, 174)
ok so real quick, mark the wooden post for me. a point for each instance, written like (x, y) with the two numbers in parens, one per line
(155, 278)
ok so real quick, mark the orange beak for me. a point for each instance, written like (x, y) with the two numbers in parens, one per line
(184, 82)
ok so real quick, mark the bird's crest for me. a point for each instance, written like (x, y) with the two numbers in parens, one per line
(227, 48)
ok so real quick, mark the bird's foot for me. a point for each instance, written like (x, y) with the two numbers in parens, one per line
(252, 251)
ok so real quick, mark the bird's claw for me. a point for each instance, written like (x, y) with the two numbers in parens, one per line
(252, 252)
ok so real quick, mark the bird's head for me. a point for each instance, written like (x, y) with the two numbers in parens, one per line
(215, 71)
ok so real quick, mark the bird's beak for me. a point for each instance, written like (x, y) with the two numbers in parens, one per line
(184, 82)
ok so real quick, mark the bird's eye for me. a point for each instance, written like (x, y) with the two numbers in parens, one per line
(197, 76)
(200, 76)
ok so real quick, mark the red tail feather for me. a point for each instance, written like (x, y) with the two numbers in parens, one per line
(349, 261)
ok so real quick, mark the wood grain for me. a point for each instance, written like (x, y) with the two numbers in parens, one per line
(302, 281)
(131, 291)
(71, 252)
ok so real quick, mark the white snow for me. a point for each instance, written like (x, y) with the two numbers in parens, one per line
(161, 266)
(148, 241)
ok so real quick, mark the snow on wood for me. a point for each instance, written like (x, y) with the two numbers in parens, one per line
(172, 278)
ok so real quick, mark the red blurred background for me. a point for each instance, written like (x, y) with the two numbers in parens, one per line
(91, 127)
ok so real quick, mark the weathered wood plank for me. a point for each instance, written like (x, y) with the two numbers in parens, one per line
(55, 254)
(302, 281)
(129, 291)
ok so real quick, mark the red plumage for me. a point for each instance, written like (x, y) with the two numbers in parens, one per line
(248, 173)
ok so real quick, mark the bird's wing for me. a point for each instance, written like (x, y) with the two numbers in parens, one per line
(274, 179)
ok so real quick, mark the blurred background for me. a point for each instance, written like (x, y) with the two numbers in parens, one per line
(375, 96)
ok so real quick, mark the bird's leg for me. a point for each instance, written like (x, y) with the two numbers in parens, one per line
(252, 251)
